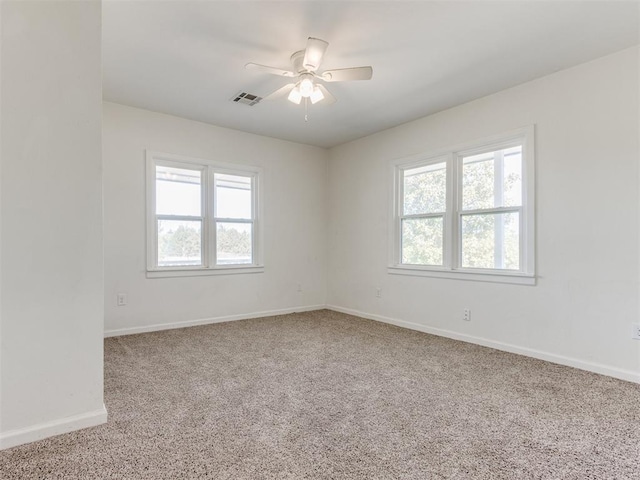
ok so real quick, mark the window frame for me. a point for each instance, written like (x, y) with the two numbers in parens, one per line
(452, 241)
(207, 215)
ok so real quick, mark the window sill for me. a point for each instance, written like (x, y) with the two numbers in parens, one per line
(200, 272)
(470, 275)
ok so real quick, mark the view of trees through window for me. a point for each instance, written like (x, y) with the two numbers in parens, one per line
(179, 243)
(180, 217)
(233, 243)
(234, 213)
(182, 244)
(490, 191)
(425, 190)
(491, 183)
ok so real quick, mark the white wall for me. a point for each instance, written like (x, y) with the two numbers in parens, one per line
(581, 311)
(294, 217)
(51, 220)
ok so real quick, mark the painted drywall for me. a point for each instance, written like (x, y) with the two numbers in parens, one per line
(587, 150)
(51, 345)
(294, 186)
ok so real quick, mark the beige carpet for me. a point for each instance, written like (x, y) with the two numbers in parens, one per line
(327, 395)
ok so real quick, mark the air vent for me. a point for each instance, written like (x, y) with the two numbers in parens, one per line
(246, 98)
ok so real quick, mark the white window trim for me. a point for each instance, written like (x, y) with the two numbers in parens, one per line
(451, 253)
(208, 168)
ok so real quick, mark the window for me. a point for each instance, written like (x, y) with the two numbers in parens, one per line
(467, 213)
(202, 217)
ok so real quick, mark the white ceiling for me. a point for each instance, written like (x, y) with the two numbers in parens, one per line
(187, 58)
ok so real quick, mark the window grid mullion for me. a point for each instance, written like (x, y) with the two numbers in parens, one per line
(498, 199)
(254, 216)
(423, 215)
(204, 199)
(212, 239)
(184, 218)
(232, 220)
(480, 211)
(399, 213)
(457, 221)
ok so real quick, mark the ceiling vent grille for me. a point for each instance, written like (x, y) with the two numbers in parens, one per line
(246, 98)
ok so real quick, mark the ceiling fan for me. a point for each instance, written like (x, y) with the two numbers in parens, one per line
(307, 77)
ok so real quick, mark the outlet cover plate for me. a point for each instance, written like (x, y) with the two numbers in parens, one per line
(121, 299)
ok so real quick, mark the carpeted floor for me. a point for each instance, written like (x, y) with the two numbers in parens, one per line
(326, 395)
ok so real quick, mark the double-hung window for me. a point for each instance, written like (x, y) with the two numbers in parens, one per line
(202, 217)
(467, 212)
(423, 213)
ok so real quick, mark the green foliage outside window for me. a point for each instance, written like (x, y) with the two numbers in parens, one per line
(185, 242)
(425, 193)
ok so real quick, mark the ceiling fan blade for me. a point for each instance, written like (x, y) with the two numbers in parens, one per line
(281, 92)
(314, 53)
(327, 95)
(271, 70)
(347, 74)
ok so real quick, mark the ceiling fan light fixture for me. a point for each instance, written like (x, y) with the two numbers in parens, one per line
(306, 87)
(316, 96)
(295, 96)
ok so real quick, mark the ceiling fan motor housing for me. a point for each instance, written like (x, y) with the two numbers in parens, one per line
(297, 60)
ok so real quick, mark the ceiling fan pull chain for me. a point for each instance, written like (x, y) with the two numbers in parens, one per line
(306, 109)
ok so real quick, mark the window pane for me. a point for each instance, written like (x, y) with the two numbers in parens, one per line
(425, 189)
(234, 242)
(178, 191)
(491, 241)
(233, 196)
(422, 241)
(512, 177)
(479, 173)
(179, 243)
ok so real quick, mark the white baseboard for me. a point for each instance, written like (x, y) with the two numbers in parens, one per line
(13, 438)
(205, 321)
(628, 375)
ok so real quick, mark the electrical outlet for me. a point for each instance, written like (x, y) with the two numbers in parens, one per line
(299, 287)
(635, 333)
(122, 299)
(466, 316)
(378, 292)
